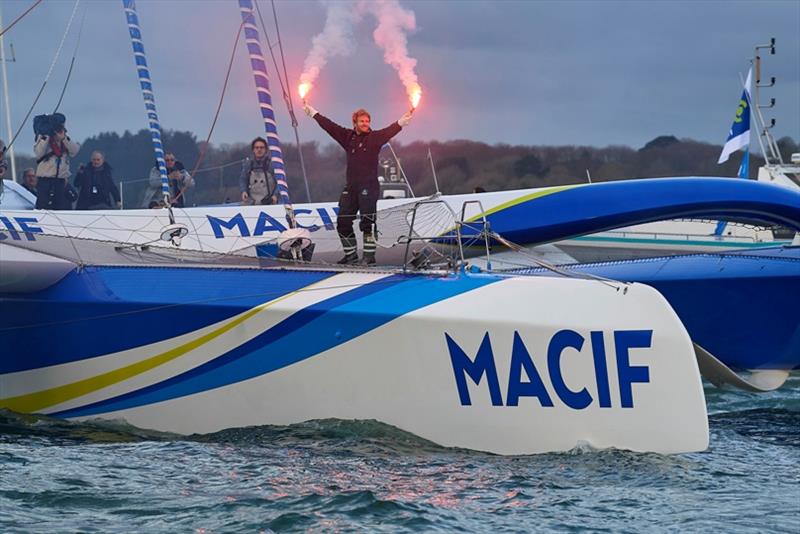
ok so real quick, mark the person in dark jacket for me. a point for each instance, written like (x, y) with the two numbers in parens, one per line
(96, 187)
(360, 195)
(29, 180)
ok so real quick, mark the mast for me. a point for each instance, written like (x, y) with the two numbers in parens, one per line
(7, 105)
(147, 93)
(772, 155)
(259, 67)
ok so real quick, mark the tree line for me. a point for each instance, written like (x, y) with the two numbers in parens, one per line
(460, 165)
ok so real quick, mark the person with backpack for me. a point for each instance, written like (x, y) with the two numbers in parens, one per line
(256, 182)
(96, 187)
(53, 153)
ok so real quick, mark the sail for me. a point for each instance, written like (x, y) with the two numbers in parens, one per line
(147, 92)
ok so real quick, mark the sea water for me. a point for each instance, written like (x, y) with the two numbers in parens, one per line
(363, 476)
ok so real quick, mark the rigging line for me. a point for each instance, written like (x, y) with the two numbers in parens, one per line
(287, 95)
(290, 103)
(223, 165)
(47, 77)
(72, 61)
(271, 52)
(216, 115)
(4, 30)
(552, 267)
(283, 58)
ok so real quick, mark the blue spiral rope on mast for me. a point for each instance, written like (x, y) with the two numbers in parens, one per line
(147, 92)
(259, 67)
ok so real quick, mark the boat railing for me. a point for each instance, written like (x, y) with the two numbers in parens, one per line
(481, 228)
(485, 229)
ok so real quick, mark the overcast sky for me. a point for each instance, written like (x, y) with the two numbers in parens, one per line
(537, 72)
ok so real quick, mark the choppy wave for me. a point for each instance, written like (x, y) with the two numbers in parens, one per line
(333, 475)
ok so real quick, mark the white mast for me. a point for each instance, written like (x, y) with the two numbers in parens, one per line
(10, 134)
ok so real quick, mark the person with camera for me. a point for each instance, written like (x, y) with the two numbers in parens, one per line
(53, 151)
(96, 187)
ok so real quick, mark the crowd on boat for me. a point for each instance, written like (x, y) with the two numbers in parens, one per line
(93, 187)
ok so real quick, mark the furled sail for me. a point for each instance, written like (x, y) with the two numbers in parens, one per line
(147, 92)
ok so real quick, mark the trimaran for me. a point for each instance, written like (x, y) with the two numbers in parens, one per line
(200, 319)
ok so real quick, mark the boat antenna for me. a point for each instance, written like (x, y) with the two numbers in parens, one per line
(763, 130)
(72, 61)
(400, 167)
(433, 170)
(287, 95)
(173, 232)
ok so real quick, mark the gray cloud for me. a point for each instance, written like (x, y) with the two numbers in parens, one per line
(574, 72)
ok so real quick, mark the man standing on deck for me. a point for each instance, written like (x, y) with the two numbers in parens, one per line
(361, 191)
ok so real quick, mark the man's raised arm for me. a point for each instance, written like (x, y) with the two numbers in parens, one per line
(338, 133)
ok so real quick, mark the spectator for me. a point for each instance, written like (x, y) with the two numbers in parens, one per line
(256, 182)
(95, 185)
(53, 154)
(179, 181)
(29, 180)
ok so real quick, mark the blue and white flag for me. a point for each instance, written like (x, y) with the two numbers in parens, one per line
(739, 136)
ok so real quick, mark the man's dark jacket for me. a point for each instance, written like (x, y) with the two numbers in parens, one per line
(100, 178)
(362, 150)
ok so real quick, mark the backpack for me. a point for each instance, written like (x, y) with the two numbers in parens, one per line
(47, 124)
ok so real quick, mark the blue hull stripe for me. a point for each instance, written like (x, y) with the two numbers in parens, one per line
(595, 208)
(111, 309)
(304, 334)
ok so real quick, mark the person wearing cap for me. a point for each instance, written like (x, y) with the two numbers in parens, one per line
(53, 154)
(178, 178)
(360, 195)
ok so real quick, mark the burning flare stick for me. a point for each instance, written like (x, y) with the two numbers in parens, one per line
(303, 89)
(415, 96)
